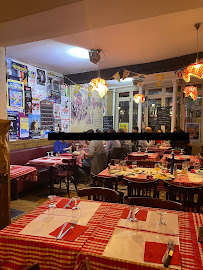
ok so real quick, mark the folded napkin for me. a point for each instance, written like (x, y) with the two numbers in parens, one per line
(141, 215)
(154, 252)
(130, 166)
(72, 234)
(63, 202)
(192, 171)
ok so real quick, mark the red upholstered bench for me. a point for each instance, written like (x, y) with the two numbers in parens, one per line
(21, 157)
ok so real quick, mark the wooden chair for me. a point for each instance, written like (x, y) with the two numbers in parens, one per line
(113, 161)
(100, 194)
(137, 157)
(110, 182)
(141, 187)
(67, 172)
(154, 203)
(35, 266)
(146, 163)
(185, 195)
(119, 153)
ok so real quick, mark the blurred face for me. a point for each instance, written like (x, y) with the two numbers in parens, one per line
(148, 129)
(134, 131)
(159, 131)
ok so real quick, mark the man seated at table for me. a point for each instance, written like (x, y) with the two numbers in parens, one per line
(146, 143)
(61, 146)
(181, 144)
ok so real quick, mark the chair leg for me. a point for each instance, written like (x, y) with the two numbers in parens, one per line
(60, 185)
(74, 182)
(67, 186)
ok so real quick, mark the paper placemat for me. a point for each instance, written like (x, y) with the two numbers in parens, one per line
(44, 223)
(130, 245)
(151, 222)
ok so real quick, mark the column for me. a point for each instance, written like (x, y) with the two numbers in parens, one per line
(139, 115)
(174, 106)
(3, 105)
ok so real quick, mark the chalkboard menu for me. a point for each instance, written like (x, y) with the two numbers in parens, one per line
(163, 116)
(46, 108)
(107, 123)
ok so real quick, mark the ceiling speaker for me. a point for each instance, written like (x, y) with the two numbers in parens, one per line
(94, 56)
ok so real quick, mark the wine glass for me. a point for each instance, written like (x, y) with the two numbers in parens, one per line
(52, 153)
(181, 151)
(76, 199)
(197, 167)
(133, 221)
(52, 205)
(116, 163)
(161, 226)
(48, 154)
(156, 167)
(146, 150)
(139, 149)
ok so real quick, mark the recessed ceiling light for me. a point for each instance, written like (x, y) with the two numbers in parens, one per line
(79, 52)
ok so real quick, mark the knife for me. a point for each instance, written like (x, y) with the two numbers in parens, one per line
(71, 227)
(68, 204)
(59, 235)
(168, 258)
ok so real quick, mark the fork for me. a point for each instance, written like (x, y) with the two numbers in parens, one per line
(71, 227)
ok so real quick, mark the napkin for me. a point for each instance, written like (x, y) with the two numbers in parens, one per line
(192, 171)
(63, 202)
(154, 252)
(72, 234)
(141, 215)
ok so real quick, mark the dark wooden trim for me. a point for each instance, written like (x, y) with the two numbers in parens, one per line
(146, 68)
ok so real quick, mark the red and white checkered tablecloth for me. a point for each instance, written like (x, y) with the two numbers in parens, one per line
(180, 157)
(26, 172)
(52, 161)
(151, 156)
(160, 150)
(79, 158)
(18, 250)
(190, 249)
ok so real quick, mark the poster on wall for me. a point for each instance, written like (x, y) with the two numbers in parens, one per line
(65, 106)
(13, 131)
(34, 125)
(54, 94)
(20, 71)
(46, 111)
(65, 90)
(124, 126)
(36, 106)
(31, 76)
(41, 77)
(65, 124)
(194, 131)
(15, 95)
(28, 99)
(23, 126)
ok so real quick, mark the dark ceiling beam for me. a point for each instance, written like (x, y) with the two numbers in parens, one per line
(147, 68)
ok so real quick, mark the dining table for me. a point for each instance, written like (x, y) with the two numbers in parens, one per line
(159, 149)
(180, 157)
(28, 173)
(151, 156)
(103, 234)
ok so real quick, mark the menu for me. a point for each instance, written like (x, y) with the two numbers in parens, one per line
(163, 116)
(107, 123)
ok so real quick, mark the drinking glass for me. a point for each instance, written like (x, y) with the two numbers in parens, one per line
(76, 199)
(134, 165)
(165, 165)
(156, 167)
(52, 153)
(139, 149)
(48, 154)
(52, 205)
(161, 226)
(132, 219)
(184, 168)
(116, 163)
(197, 167)
(124, 165)
(181, 151)
(146, 151)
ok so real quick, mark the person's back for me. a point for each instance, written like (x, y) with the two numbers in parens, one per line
(95, 146)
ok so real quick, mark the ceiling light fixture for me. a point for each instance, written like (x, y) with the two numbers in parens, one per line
(191, 91)
(194, 69)
(139, 97)
(100, 86)
(79, 52)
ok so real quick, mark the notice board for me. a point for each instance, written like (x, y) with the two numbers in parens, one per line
(107, 123)
(163, 116)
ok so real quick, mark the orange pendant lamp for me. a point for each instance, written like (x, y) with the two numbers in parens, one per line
(100, 86)
(191, 91)
(139, 97)
(194, 69)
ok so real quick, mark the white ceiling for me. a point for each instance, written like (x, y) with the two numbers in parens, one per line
(145, 39)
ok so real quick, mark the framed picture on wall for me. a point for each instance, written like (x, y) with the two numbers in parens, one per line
(194, 131)
(15, 96)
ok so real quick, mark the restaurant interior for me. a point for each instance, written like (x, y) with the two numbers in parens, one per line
(131, 71)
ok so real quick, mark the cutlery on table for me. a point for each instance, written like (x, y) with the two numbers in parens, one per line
(69, 203)
(169, 253)
(71, 227)
(59, 235)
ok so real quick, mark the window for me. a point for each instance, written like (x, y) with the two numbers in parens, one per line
(123, 112)
(124, 94)
(152, 113)
(155, 92)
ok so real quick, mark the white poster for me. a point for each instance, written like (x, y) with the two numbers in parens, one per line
(65, 106)
(65, 124)
(35, 106)
(31, 77)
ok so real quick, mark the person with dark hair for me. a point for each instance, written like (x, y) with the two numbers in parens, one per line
(61, 147)
(181, 144)
(135, 129)
(144, 143)
(98, 130)
(112, 144)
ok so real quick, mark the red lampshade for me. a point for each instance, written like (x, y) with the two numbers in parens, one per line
(191, 91)
(195, 70)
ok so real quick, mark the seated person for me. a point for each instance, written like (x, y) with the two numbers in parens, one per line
(94, 146)
(122, 142)
(144, 143)
(112, 144)
(135, 142)
(61, 147)
(181, 144)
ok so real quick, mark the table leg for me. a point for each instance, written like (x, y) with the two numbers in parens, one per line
(51, 180)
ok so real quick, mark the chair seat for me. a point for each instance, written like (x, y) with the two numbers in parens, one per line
(62, 174)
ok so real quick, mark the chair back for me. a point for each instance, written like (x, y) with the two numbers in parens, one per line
(141, 187)
(69, 166)
(98, 162)
(190, 197)
(100, 194)
(119, 153)
(154, 203)
(137, 157)
(146, 163)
